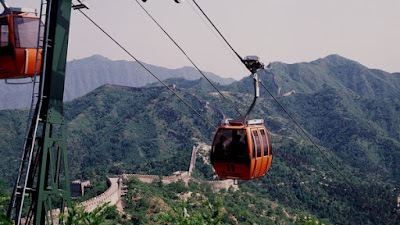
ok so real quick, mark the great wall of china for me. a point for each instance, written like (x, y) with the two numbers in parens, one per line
(116, 188)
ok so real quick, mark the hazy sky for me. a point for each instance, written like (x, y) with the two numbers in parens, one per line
(290, 31)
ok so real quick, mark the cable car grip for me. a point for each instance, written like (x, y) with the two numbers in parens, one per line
(253, 64)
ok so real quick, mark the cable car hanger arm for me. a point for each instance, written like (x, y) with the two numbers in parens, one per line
(256, 95)
(253, 65)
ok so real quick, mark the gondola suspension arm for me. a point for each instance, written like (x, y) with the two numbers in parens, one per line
(253, 64)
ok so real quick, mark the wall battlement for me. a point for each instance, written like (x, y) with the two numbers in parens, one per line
(114, 191)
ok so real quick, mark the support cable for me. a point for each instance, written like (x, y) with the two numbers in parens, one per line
(217, 36)
(209, 20)
(144, 67)
(191, 61)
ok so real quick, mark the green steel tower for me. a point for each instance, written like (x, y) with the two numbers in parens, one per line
(42, 188)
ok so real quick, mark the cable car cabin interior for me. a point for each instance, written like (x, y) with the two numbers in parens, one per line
(241, 151)
(18, 45)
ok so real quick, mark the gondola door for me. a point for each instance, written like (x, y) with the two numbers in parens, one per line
(266, 151)
(26, 36)
(257, 151)
(6, 49)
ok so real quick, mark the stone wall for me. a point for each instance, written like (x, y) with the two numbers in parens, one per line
(183, 175)
(112, 195)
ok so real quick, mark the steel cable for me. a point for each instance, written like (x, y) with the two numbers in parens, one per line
(191, 61)
(144, 67)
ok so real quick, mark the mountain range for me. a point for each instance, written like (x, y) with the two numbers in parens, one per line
(85, 75)
(351, 113)
(332, 71)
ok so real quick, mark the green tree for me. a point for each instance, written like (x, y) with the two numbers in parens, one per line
(3, 204)
(4, 220)
(78, 216)
(3, 207)
(310, 220)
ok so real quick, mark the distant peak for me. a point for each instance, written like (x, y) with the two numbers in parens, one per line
(335, 59)
(98, 57)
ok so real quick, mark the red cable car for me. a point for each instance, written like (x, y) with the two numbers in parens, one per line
(241, 148)
(18, 44)
(241, 151)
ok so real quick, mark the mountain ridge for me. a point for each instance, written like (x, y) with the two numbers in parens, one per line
(334, 71)
(85, 75)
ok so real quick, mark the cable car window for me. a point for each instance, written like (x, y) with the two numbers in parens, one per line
(230, 145)
(270, 145)
(26, 32)
(264, 140)
(254, 146)
(4, 33)
(257, 138)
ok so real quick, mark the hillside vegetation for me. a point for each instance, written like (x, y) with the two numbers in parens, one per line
(351, 112)
(177, 203)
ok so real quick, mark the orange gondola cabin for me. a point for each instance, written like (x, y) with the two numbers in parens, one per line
(241, 150)
(18, 44)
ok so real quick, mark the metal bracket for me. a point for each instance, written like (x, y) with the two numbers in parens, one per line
(253, 63)
(256, 95)
(82, 5)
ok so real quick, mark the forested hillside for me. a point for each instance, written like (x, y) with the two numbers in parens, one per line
(200, 204)
(352, 179)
